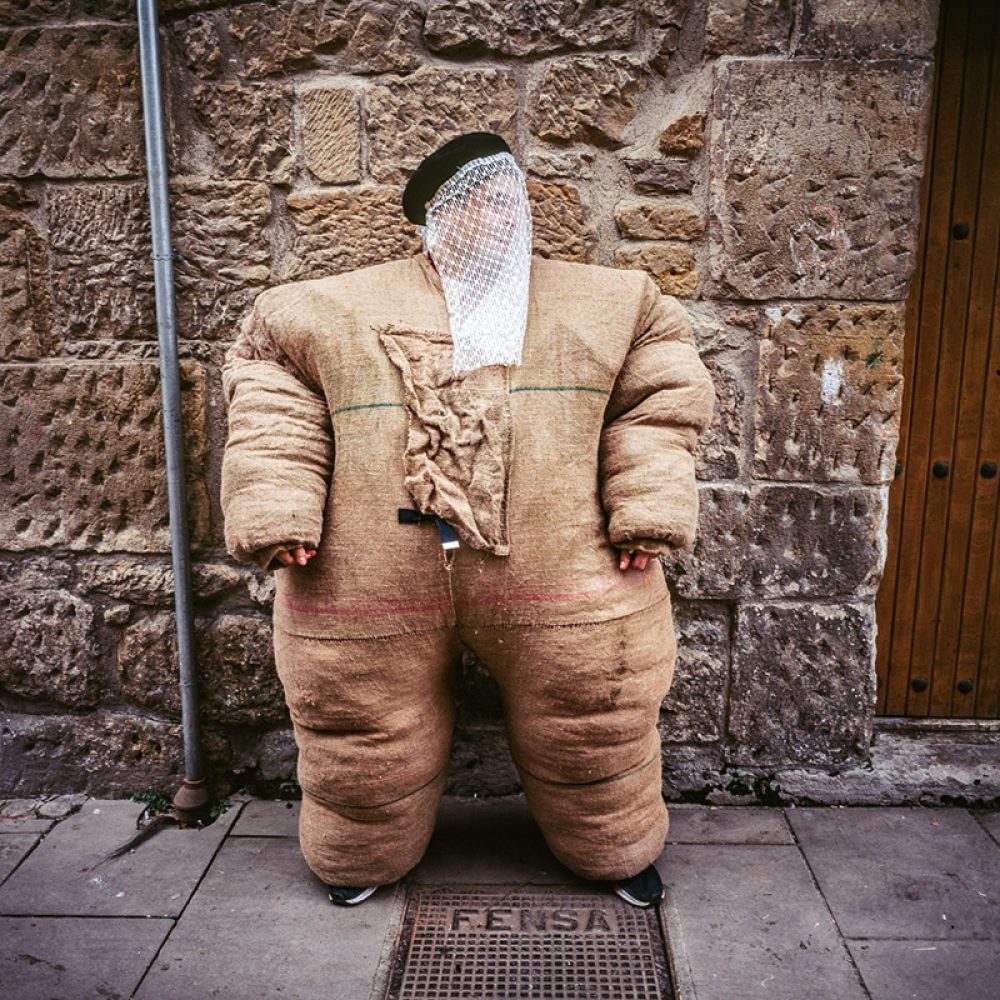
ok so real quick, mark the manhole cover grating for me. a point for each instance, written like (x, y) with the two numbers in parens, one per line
(493, 943)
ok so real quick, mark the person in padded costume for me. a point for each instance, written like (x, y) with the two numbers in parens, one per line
(479, 448)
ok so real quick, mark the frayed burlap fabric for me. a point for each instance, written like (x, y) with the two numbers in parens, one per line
(344, 408)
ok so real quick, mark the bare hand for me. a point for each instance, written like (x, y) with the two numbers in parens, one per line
(300, 555)
(636, 560)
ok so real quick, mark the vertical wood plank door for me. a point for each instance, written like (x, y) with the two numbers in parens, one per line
(938, 607)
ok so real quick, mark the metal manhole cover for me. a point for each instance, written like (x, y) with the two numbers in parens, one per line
(500, 943)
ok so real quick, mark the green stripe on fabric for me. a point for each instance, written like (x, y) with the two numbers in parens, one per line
(369, 406)
(560, 388)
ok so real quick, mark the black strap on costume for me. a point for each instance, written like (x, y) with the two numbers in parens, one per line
(449, 540)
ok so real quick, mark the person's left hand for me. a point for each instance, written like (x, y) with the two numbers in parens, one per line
(629, 559)
(300, 555)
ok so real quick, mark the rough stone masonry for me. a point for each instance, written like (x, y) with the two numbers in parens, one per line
(760, 160)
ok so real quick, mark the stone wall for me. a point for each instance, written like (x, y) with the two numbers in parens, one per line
(762, 160)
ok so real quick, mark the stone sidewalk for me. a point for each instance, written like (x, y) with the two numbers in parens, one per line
(797, 903)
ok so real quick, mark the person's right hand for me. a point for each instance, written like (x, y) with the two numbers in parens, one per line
(300, 555)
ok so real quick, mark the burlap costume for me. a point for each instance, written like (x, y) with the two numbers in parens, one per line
(343, 408)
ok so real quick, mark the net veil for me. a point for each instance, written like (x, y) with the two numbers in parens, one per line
(478, 232)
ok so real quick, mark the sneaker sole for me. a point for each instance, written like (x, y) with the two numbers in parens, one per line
(641, 903)
(354, 900)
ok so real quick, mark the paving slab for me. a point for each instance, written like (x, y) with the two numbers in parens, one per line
(748, 921)
(26, 822)
(695, 824)
(13, 849)
(263, 818)
(928, 970)
(261, 925)
(990, 822)
(54, 958)
(490, 841)
(901, 872)
(63, 875)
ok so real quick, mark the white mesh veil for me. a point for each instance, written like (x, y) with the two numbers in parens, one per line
(478, 232)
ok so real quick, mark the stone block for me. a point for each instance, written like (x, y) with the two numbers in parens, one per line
(199, 41)
(816, 170)
(747, 27)
(662, 176)
(336, 231)
(658, 220)
(481, 764)
(331, 134)
(689, 770)
(70, 104)
(410, 117)
(103, 275)
(49, 647)
(693, 709)
(237, 679)
(587, 99)
(684, 137)
(16, 14)
(855, 29)
(478, 26)
(26, 329)
(548, 164)
(829, 393)
(247, 130)
(671, 265)
(557, 224)
(782, 541)
(272, 38)
(83, 467)
(803, 683)
(385, 37)
(141, 581)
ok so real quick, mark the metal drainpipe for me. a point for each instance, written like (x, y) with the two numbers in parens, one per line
(191, 799)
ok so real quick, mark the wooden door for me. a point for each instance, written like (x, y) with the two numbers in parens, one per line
(938, 608)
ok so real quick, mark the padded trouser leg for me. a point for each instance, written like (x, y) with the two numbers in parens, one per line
(581, 704)
(373, 723)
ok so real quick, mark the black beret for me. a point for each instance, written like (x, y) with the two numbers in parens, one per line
(435, 169)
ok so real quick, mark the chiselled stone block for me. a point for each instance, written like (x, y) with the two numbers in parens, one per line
(82, 465)
(410, 117)
(49, 649)
(693, 709)
(558, 229)
(781, 541)
(331, 136)
(549, 164)
(19, 12)
(385, 37)
(803, 683)
(663, 176)
(237, 679)
(816, 171)
(102, 271)
(658, 220)
(670, 265)
(476, 26)
(200, 42)
(336, 231)
(587, 99)
(144, 581)
(747, 27)
(69, 102)
(856, 29)
(684, 137)
(828, 392)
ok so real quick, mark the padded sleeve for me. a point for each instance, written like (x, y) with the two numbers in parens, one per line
(279, 452)
(662, 401)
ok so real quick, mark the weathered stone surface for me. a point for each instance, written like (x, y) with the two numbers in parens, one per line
(547, 164)
(49, 649)
(558, 229)
(261, 587)
(587, 99)
(829, 393)
(60, 806)
(747, 27)
(658, 220)
(385, 37)
(670, 265)
(35, 573)
(660, 176)
(782, 541)
(335, 231)
(26, 329)
(684, 137)
(331, 135)
(287, 35)
(145, 582)
(410, 117)
(693, 709)
(816, 170)
(103, 274)
(70, 102)
(690, 769)
(82, 465)
(200, 43)
(20, 12)
(803, 683)
(856, 29)
(277, 757)
(237, 680)
(247, 128)
(476, 26)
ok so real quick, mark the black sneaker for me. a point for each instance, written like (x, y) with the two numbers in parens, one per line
(344, 896)
(643, 889)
